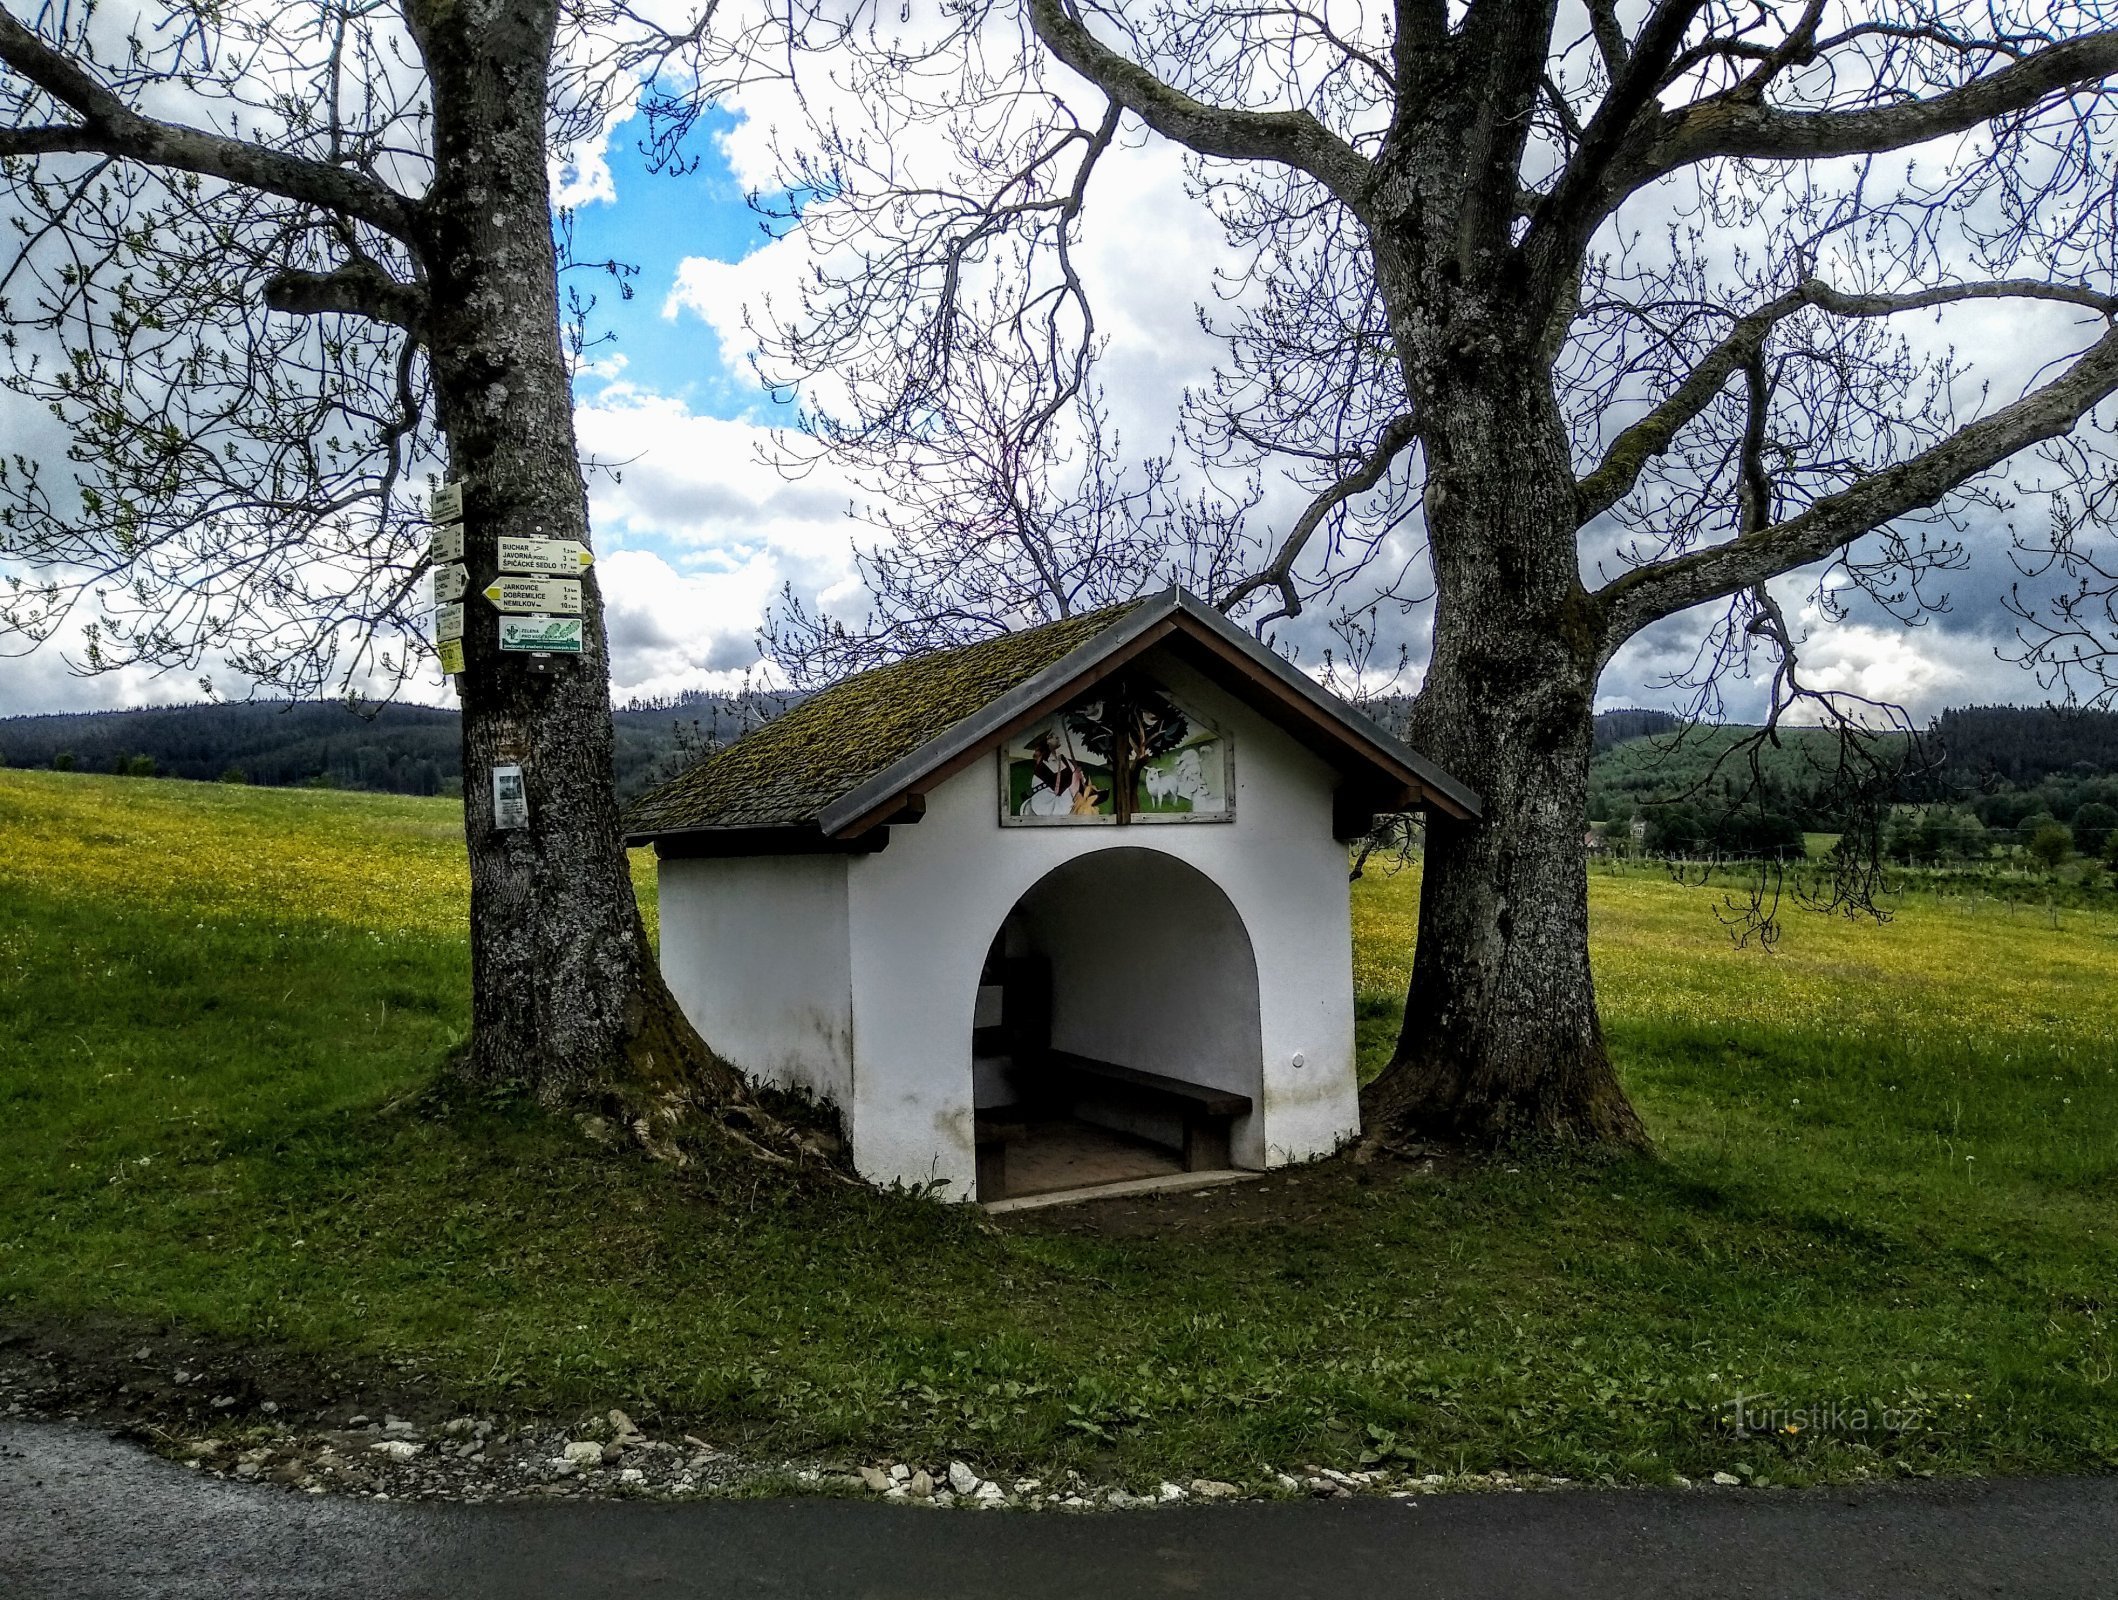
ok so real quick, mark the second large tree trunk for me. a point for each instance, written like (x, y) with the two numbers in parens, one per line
(567, 1000)
(1501, 1039)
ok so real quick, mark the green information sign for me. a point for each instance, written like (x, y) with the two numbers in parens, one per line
(559, 636)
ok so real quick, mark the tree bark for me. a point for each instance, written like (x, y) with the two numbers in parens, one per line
(567, 998)
(1501, 1040)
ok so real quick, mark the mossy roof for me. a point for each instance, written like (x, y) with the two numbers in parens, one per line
(787, 772)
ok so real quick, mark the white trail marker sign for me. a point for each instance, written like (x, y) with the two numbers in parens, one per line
(446, 505)
(553, 558)
(446, 544)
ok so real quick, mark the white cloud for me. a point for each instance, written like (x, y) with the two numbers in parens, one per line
(43, 681)
(671, 631)
(1923, 669)
(584, 178)
(717, 291)
(696, 533)
(1908, 667)
(704, 483)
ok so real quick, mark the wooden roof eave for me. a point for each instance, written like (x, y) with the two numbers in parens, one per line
(1356, 733)
(941, 759)
(1292, 696)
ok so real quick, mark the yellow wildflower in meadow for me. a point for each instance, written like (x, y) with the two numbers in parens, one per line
(1964, 966)
(390, 865)
(1961, 965)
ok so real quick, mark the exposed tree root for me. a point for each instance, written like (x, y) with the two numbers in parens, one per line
(1581, 1107)
(672, 1085)
(667, 1088)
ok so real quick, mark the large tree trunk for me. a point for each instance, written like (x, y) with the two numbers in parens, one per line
(1501, 1039)
(567, 999)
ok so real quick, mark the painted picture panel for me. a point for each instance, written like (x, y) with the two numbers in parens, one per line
(1134, 754)
(1180, 765)
(1060, 770)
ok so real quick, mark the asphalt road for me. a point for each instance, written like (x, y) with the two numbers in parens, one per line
(84, 1517)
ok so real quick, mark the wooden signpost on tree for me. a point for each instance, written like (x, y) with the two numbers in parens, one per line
(267, 337)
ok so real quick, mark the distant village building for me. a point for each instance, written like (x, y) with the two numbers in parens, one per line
(1064, 907)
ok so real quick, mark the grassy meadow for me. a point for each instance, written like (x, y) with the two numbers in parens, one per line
(1886, 1182)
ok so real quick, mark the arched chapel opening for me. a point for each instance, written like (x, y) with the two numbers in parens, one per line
(1116, 1032)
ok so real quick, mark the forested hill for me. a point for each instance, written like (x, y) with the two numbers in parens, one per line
(2006, 772)
(1617, 727)
(1973, 749)
(1394, 712)
(399, 749)
(2024, 745)
(413, 749)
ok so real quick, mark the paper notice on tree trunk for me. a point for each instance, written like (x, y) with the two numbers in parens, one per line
(451, 653)
(510, 798)
(447, 504)
(448, 623)
(557, 558)
(450, 582)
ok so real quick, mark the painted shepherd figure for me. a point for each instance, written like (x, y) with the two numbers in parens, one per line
(1059, 785)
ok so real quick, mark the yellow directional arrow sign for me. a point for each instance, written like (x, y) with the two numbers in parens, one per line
(556, 558)
(562, 595)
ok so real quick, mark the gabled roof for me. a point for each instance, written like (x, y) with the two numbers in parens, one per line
(862, 752)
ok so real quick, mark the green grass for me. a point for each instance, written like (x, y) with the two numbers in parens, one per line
(1886, 1174)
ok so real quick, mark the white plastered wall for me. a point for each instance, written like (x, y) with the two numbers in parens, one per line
(756, 950)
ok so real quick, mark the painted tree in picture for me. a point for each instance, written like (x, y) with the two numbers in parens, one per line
(1127, 754)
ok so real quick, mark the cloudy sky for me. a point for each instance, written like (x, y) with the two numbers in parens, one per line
(697, 533)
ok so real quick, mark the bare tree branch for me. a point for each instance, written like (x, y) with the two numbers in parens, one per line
(1292, 138)
(1573, 206)
(1279, 573)
(1637, 598)
(359, 288)
(113, 128)
(1742, 125)
(1611, 42)
(1630, 452)
(1443, 242)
